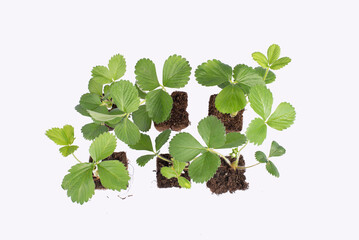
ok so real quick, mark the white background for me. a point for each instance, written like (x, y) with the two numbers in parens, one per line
(47, 51)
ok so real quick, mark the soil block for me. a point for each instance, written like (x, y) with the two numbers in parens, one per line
(232, 124)
(227, 179)
(120, 156)
(163, 182)
(179, 116)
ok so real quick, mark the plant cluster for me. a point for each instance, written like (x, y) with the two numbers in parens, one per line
(129, 109)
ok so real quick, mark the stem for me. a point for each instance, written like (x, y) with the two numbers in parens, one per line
(239, 153)
(265, 75)
(163, 88)
(143, 102)
(76, 158)
(239, 167)
(163, 158)
(225, 159)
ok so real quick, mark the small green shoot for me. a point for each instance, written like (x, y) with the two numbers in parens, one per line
(275, 151)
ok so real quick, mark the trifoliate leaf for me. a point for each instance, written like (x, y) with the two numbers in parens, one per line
(92, 130)
(212, 73)
(61, 136)
(168, 172)
(183, 182)
(276, 150)
(246, 77)
(90, 101)
(113, 175)
(261, 157)
(231, 99)
(281, 62)
(204, 167)
(141, 119)
(103, 146)
(234, 139)
(178, 166)
(105, 116)
(273, 53)
(283, 117)
(143, 160)
(158, 105)
(162, 138)
(127, 132)
(143, 144)
(146, 76)
(184, 147)
(82, 110)
(176, 72)
(272, 169)
(95, 87)
(141, 93)
(261, 100)
(212, 131)
(125, 96)
(117, 66)
(79, 182)
(260, 59)
(102, 74)
(270, 75)
(257, 131)
(68, 150)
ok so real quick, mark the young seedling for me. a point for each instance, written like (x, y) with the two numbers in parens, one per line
(79, 182)
(275, 151)
(176, 72)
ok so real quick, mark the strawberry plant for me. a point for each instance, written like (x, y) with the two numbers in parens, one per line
(79, 182)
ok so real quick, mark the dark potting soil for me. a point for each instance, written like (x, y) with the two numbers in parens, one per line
(227, 179)
(120, 156)
(179, 116)
(163, 182)
(232, 124)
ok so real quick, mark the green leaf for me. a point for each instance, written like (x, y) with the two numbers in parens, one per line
(261, 100)
(176, 72)
(178, 166)
(113, 175)
(92, 130)
(105, 116)
(272, 169)
(158, 105)
(183, 182)
(270, 75)
(67, 150)
(82, 110)
(143, 160)
(95, 87)
(102, 74)
(281, 62)
(212, 131)
(273, 53)
(162, 138)
(276, 150)
(231, 99)
(246, 77)
(146, 76)
(141, 93)
(90, 101)
(168, 172)
(143, 144)
(184, 147)
(261, 157)
(127, 132)
(117, 66)
(204, 167)
(234, 139)
(260, 59)
(283, 117)
(257, 131)
(79, 182)
(61, 136)
(125, 96)
(212, 73)
(141, 119)
(103, 146)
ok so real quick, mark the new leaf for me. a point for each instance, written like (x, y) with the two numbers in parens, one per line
(261, 157)
(272, 169)
(61, 136)
(276, 150)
